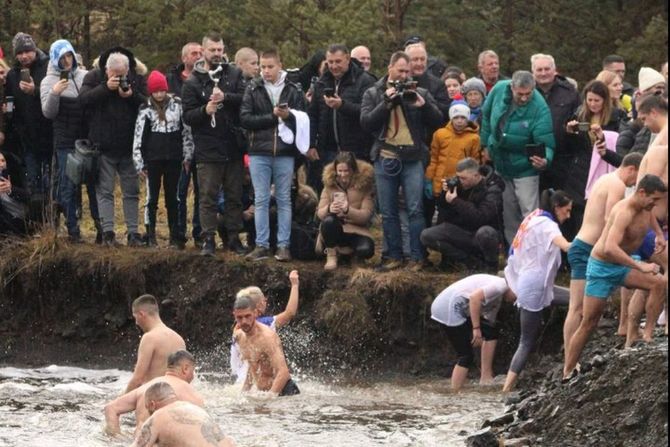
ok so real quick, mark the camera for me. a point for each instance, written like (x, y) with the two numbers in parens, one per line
(405, 89)
(124, 85)
(453, 183)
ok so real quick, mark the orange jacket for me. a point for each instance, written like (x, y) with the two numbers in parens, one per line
(447, 149)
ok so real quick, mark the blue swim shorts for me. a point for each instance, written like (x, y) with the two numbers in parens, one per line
(603, 277)
(578, 257)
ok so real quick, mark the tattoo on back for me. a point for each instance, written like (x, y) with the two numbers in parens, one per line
(145, 434)
(212, 433)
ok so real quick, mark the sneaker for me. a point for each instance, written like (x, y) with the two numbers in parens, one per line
(389, 265)
(283, 254)
(258, 254)
(208, 247)
(135, 240)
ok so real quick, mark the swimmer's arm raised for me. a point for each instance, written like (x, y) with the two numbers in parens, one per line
(147, 436)
(144, 354)
(279, 366)
(113, 411)
(291, 310)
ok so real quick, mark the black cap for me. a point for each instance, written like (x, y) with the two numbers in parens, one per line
(411, 40)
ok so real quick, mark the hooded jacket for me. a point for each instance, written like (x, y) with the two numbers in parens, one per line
(447, 149)
(333, 130)
(506, 131)
(221, 143)
(65, 109)
(33, 129)
(376, 112)
(256, 116)
(111, 118)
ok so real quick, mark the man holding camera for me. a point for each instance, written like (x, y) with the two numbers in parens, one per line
(111, 96)
(517, 133)
(470, 214)
(399, 116)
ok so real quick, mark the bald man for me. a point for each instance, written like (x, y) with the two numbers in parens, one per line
(362, 55)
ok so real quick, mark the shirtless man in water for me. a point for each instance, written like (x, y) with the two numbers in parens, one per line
(611, 265)
(607, 192)
(261, 347)
(179, 375)
(177, 423)
(157, 343)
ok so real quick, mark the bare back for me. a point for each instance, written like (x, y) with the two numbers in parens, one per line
(182, 424)
(624, 220)
(183, 390)
(157, 345)
(607, 192)
(261, 350)
(655, 162)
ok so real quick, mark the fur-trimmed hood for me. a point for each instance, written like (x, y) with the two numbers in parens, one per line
(134, 64)
(363, 180)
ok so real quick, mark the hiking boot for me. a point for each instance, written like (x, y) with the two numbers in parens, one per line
(235, 245)
(135, 240)
(331, 259)
(258, 254)
(208, 247)
(109, 239)
(283, 254)
(389, 265)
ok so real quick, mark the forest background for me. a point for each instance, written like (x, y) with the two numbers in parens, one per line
(578, 33)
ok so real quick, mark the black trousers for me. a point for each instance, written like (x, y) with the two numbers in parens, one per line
(333, 235)
(461, 339)
(165, 172)
(457, 244)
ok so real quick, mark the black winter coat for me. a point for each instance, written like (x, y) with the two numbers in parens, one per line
(333, 130)
(436, 88)
(111, 118)
(476, 207)
(32, 130)
(634, 137)
(563, 100)
(376, 112)
(224, 142)
(175, 82)
(256, 116)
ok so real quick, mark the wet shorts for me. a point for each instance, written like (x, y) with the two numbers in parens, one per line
(578, 257)
(290, 389)
(603, 277)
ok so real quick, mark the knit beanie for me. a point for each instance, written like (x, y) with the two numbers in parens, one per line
(156, 82)
(474, 84)
(648, 78)
(459, 109)
(23, 42)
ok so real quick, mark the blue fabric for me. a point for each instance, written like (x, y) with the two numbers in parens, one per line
(267, 170)
(578, 257)
(603, 277)
(390, 175)
(648, 246)
(58, 49)
(266, 320)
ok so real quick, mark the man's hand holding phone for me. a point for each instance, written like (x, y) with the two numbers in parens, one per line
(281, 111)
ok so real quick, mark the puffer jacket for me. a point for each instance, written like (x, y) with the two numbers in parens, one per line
(111, 118)
(32, 128)
(478, 206)
(346, 121)
(447, 149)
(528, 124)
(360, 196)
(376, 112)
(262, 126)
(65, 109)
(223, 142)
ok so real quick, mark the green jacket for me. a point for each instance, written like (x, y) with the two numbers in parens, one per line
(528, 124)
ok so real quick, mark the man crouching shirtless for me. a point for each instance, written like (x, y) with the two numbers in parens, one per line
(177, 423)
(261, 347)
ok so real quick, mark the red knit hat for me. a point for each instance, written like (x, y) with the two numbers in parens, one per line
(157, 82)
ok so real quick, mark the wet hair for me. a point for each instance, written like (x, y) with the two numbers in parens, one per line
(271, 53)
(254, 293)
(176, 358)
(395, 57)
(244, 302)
(347, 158)
(212, 36)
(523, 78)
(650, 101)
(338, 48)
(467, 164)
(147, 303)
(159, 392)
(597, 88)
(652, 183)
(632, 159)
(550, 200)
(612, 59)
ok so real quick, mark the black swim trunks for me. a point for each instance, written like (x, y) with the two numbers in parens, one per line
(290, 389)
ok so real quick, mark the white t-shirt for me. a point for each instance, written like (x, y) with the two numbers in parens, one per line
(531, 269)
(452, 305)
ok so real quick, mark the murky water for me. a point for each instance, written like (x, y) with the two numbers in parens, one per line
(62, 407)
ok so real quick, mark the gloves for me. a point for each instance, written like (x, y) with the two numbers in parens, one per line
(428, 188)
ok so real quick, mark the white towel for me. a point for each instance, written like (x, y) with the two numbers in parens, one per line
(302, 131)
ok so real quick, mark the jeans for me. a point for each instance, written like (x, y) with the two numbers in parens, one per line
(211, 177)
(38, 168)
(520, 198)
(267, 170)
(67, 193)
(130, 187)
(389, 176)
(182, 196)
(166, 171)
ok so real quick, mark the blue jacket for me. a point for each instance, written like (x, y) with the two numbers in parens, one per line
(528, 124)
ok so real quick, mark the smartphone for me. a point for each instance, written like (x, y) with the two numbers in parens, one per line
(536, 150)
(329, 92)
(283, 105)
(583, 127)
(64, 74)
(25, 75)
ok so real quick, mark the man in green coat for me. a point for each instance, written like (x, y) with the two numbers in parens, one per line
(516, 116)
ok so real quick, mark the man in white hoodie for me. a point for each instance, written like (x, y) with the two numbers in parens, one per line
(270, 102)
